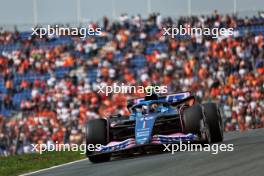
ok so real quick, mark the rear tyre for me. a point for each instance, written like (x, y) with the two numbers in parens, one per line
(214, 121)
(96, 133)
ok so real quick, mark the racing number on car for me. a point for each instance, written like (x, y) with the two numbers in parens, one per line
(144, 124)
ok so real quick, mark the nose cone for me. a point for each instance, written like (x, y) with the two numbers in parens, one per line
(143, 130)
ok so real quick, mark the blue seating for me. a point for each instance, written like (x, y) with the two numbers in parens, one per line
(64, 40)
(19, 97)
(161, 47)
(9, 47)
(118, 57)
(92, 74)
(61, 72)
(256, 29)
(5, 112)
(139, 61)
(25, 35)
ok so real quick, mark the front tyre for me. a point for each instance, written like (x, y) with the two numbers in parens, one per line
(97, 133)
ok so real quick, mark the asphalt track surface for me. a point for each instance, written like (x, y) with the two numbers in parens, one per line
(247, 159)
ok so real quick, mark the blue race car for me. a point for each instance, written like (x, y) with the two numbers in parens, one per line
(154, 120)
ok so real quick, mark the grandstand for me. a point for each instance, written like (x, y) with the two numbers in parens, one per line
(50, 85)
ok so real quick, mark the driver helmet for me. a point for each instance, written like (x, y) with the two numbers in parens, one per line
(144, 109)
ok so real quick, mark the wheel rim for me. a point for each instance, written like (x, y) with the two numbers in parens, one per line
(205, 132)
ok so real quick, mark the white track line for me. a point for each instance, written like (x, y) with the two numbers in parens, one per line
(53, 167)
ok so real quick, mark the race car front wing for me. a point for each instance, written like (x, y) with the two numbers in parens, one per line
(156, 139)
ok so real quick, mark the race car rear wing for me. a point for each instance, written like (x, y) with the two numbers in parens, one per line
(173, 99)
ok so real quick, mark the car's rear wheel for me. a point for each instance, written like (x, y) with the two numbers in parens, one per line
(195, 122)
(214, 121)
(96, 133)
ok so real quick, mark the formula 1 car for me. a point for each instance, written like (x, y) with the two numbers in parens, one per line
(154, 120)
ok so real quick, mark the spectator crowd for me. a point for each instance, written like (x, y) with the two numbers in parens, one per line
(60, 81)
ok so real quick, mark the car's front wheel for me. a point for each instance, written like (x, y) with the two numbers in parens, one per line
(96, 133)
